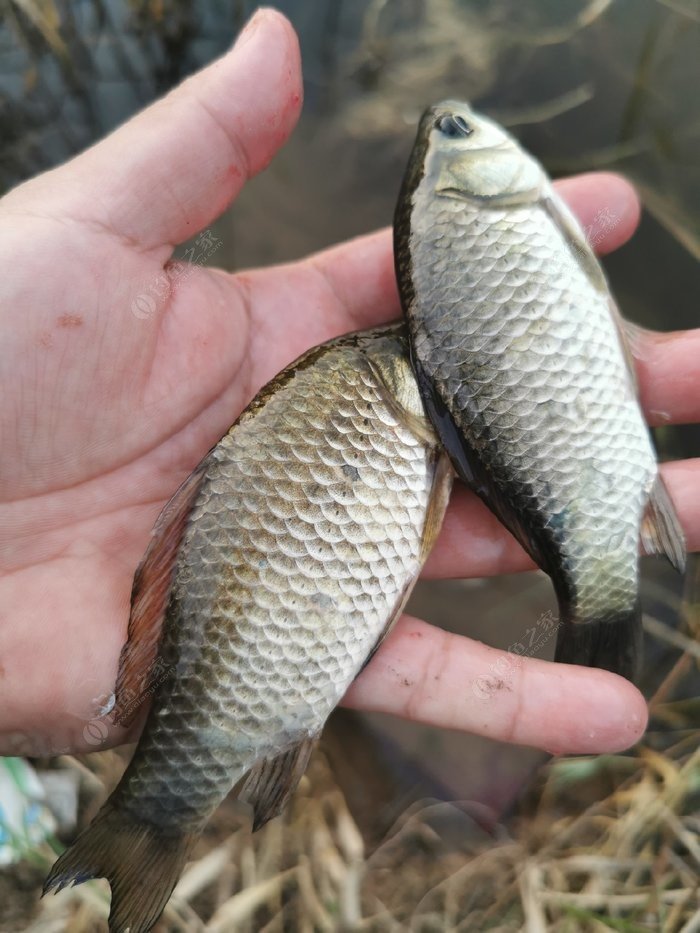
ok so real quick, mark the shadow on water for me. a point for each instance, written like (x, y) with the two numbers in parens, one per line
(585, 85)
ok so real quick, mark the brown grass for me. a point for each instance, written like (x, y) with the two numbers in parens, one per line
(600, 843)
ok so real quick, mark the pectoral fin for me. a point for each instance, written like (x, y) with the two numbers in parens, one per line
(437, 506)
(272, 781)
(149, 600)
(661, 529)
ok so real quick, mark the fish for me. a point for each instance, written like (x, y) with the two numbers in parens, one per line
(274, 573)
(525, 367)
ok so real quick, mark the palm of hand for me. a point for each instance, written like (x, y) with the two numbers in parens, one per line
(126, 369)
(121, 370)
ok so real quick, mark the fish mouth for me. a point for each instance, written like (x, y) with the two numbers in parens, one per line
(504, 146)
(458, 194)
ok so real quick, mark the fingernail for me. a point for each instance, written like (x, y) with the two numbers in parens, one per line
(251, 27)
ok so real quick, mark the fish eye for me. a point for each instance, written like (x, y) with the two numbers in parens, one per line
(453, 125)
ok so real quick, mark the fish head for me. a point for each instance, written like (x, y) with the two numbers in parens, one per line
(466, 155)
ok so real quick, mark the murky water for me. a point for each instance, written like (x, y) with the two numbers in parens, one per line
(585, 85)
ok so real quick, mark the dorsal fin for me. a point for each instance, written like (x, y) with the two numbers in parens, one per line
(149, 600)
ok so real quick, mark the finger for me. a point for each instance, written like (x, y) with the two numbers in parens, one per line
(473, 543)
(314, 300)
(606, 205)
(668, 367)
(431, 676)
(172, 169)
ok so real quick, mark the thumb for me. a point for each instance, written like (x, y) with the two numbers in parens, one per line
(173, 168)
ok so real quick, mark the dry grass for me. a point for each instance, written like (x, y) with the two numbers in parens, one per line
(599, 844)
(602, 843)
(628, 859)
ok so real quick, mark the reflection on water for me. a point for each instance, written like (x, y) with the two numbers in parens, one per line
(596, 84)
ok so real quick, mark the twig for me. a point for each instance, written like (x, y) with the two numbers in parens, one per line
(671, 636)
(559, 34)
(531, 897)
(243, 905)
(203, 873)
(548, 110)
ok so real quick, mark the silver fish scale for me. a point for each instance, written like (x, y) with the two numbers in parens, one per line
(535, 374)
(303, 538)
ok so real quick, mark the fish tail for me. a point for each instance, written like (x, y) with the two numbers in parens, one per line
(141, 862)
(614, 644)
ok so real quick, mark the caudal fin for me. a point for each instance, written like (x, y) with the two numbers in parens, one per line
(614, 645)
(141, 863)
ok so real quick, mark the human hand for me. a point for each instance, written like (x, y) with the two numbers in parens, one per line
(120, 371)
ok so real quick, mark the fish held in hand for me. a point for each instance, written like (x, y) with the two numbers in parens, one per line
(278, 567)
(521, 357)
